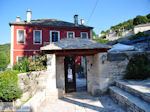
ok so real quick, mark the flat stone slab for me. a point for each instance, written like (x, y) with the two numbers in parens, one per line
(129, 100)
(138, 88)
(80, 102)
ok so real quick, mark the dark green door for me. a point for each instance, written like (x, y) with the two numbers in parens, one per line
(70, 79)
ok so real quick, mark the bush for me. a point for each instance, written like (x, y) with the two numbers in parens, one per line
(34, 63)
(9, 89)
(138, 67)
(22, 66)
(138, 35)
(38, 63)
(101, 40)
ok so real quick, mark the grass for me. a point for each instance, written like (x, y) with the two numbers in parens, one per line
(100, 40)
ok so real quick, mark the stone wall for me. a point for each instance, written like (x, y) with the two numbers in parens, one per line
(105, 68)
(34, 86)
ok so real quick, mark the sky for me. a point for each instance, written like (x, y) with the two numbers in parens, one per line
(106, 13)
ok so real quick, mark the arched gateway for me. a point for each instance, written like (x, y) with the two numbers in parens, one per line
(70, 59)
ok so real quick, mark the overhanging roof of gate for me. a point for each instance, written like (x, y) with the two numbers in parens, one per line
(75, 46)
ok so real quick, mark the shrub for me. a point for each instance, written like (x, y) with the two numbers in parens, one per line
(138, 35)
(9, 89)
(34, 63)
(101, 40)
(38, 63)
(22, 66)
(138, 67)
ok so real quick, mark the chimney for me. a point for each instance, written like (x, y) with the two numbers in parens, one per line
(18, 19)
(29, 15)
(76, 20)
(82, 21)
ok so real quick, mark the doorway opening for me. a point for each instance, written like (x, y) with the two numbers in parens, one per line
(75, 73)
(81, 73)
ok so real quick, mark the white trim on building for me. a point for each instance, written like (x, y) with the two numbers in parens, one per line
(34, 37)
(12, 46)
(51, 34)
(83, 33)
(17, 58)
(24, 36)
(70, 32)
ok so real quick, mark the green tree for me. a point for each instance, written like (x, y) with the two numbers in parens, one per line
(140, 20)
(148, 16)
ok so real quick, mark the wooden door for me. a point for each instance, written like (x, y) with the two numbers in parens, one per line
(70, 79)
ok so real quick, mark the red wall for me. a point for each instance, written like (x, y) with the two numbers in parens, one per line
(29, 48)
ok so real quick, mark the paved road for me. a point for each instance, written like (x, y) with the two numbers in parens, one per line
(80, 102)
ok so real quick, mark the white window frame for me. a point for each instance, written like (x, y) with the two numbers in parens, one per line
(51, 35)
(70, 32)
(17, 58)
(86, 34)
(34, 36)
(18, 36)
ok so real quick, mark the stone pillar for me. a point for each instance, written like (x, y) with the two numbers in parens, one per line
(51, 81)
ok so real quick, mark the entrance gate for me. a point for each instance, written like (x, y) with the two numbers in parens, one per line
(70, 78)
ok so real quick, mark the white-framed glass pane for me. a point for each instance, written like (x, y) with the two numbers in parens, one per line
(54, 36)
(37, 38)
(70, 35)
(21, 36)
(84, 35)
(20, 59)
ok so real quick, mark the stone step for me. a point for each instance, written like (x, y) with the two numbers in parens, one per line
(128, 101)
(139, 90)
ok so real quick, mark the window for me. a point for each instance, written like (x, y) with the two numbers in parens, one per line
(54, 36)
(70, 35)
(20, 58)
(21, 36)
(84, 35)
(37, 35)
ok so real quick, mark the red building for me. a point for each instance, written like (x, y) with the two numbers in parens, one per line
(28, 36)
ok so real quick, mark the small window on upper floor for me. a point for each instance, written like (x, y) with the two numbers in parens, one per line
(21, 36)
(84, 35)
(70, 34)
(37, 36)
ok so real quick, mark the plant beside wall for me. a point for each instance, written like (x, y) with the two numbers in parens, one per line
(9, 89)
(34, 63)
(138, 67)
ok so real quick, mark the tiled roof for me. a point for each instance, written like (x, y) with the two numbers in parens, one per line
(49, 22)
(65, 44)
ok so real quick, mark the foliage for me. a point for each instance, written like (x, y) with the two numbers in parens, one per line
(9, 86)
(100, 40)
(148, 16)
(138, 35)
(4, 55)
(22, 66)
(127, 25)
(34, 63)
(140, 20)
(94, 34)
(37, 64)
(138, 67)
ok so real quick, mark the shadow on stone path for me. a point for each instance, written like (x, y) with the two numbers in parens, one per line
(80, 102)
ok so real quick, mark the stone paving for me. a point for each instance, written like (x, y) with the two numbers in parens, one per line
(80, 102)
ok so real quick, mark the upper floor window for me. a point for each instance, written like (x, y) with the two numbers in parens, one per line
(37, 36)
(84, 35)
(70, 35)
(21, 36)
(54, 36)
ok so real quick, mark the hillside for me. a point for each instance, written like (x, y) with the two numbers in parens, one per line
(4, 55)
(127, 25)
